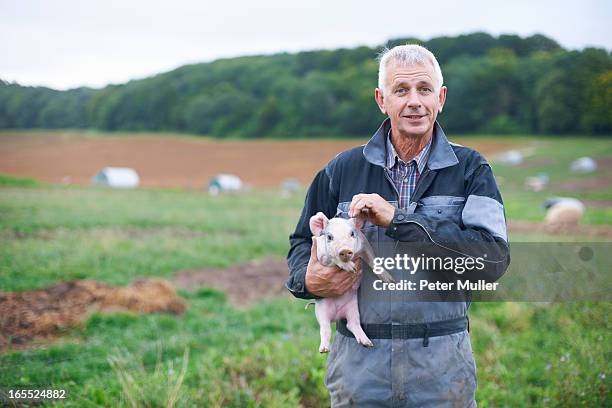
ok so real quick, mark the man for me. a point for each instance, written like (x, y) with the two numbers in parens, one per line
(410, 185)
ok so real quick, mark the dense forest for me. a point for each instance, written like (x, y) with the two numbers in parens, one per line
(504, 84)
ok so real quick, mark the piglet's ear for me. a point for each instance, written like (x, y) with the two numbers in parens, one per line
(358, 222)
(318, 222)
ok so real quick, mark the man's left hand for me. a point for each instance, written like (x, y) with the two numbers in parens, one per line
(379, 211)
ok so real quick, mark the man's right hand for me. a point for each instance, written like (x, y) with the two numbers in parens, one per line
(328, 281)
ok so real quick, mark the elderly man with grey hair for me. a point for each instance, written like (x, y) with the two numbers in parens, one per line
(410, 185)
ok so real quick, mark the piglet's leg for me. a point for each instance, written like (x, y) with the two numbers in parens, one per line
(354, 325)
(323, 312)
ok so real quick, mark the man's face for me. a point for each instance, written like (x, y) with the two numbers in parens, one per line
(411, 99)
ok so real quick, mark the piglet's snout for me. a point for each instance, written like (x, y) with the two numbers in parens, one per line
(345, 255)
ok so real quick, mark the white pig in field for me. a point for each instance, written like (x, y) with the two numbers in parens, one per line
(339, 242)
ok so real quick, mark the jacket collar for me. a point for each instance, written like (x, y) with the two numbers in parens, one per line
(441, 153)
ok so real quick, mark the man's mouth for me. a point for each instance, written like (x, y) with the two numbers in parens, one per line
(414, 117)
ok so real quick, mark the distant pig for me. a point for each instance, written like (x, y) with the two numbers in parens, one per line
(563, 212)
(339, 242)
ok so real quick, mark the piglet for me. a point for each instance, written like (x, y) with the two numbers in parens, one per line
(339, 242)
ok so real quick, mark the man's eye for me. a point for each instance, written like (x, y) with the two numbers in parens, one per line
(400, 91)
(426, 90)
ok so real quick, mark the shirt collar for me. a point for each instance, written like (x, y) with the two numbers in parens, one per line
(393, 157)
(441, 153)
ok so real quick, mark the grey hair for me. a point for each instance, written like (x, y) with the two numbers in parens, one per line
(407, 56)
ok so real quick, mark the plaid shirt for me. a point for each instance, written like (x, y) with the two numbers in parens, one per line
(405, 176)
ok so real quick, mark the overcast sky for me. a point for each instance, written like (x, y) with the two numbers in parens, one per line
(69, 43)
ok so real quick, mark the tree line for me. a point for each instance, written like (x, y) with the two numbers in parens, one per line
(497, 85)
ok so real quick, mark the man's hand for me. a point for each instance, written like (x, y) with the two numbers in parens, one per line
(379, 211)
(328, 281)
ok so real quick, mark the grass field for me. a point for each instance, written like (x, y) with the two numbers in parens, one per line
(527, 354)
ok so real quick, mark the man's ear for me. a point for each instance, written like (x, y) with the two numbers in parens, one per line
(442, 97)
(318, 222)
(380, 100)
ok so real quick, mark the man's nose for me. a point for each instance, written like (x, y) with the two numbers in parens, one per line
(413, 102)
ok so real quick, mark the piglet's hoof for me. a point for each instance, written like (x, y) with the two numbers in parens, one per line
(323, 349)
(385, 277)
(365, 342)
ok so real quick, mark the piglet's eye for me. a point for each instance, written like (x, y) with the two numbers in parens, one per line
(330, 237)
(352, 234)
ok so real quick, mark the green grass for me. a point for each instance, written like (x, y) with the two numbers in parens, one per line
(527, 354)
(531, 354)
(11, 181)
(57, 233)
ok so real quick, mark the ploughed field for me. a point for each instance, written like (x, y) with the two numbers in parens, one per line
(173, 161)
(237, 339)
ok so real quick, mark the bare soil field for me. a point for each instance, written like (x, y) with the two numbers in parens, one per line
(174, 161)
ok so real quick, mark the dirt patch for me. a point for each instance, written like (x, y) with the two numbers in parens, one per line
(44, 313)
(244, 284)
(529, 227)
(40, 316)
(184, 162)
(590, 184)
